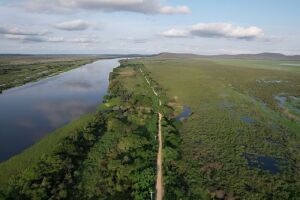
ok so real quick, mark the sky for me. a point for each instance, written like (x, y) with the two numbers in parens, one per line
(149, 26)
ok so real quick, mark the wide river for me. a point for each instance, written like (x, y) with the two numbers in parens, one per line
(29, 112)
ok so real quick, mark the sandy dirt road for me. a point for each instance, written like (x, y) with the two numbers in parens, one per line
(159, 162)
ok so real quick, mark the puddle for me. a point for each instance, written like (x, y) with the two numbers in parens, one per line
(184, 114)
(247, 119)
(280, 100)
(263, 162)
(290, 102)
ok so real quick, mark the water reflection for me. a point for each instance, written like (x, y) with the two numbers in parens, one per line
(79, 86)
(29, 112)
(263, 162)
(64, 111)
(186, 112)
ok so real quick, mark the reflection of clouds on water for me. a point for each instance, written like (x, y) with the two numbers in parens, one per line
(25, 123)
(78, 85)
(58, 113)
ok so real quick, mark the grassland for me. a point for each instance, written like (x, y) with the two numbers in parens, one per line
(238, 143)
(18, 70)
(281, 65)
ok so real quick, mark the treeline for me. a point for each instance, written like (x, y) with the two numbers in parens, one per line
(14, 74)
(123, 164)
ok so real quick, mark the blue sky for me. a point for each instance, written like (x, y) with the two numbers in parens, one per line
(150, 26)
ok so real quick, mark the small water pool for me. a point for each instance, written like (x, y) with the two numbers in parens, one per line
(290, 102)
(266, 163)
(186, 112)
(247, 119)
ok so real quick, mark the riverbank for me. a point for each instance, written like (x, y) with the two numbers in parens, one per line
(19, 70)
(30, 112)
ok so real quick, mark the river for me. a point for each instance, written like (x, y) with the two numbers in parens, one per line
(29, 112)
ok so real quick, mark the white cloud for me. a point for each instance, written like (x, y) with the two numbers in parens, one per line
(175, 10)
(75, 25)
(176, 33)
(30, 38)
(139, 6)
(85, 39)
(19, 31)
(217, 30)
(226, 30)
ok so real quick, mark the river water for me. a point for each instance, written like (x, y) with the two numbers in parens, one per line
(29, 112)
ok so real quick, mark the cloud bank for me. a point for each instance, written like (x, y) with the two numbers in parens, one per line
(74, 25)
(216, 30)
(139, 6)
(26, 38)
(19, 31)
(25, 35)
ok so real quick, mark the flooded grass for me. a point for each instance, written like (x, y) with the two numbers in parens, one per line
(247, 119)
(186, 112)
(232, 114)
(290, 105)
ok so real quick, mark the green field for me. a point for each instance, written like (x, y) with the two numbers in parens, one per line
(238, 143)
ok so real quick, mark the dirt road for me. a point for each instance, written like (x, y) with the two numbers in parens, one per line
(159, 178)
(159, 162)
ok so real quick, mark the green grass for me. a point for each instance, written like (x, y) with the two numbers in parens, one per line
(46, 145)
(221, 93)
(284, 65)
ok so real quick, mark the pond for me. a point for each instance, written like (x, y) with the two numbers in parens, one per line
(290, 102)
(266, 163)
(247, 119)
(29, 112)
(186, 112)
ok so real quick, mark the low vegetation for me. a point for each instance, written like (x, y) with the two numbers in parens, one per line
(238, 143)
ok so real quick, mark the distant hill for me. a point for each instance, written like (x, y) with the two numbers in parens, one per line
(260, 56)
(75, 55)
